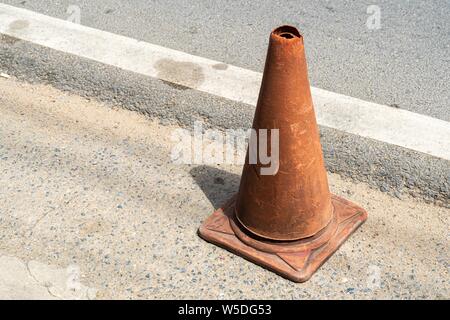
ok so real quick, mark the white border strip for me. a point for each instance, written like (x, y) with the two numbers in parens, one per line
(399, 127)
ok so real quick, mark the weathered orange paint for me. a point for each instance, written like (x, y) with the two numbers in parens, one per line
(294, 203)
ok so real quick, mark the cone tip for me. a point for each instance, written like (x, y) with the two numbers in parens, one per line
(286, 33)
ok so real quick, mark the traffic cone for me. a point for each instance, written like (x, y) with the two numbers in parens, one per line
(284, 219)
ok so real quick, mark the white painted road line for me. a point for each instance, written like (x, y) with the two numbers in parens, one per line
(399, 127)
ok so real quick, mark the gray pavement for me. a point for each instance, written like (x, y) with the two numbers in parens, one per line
(405, 63)
(92, 207)
(85, 185)
(33, 280)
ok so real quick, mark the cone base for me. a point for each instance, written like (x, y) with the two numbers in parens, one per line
(296, 262)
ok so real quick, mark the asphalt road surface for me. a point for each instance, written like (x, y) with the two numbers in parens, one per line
(87, 187)
(404, 63)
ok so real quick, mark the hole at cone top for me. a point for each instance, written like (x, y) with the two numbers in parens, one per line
(287, 32)
(287, 35)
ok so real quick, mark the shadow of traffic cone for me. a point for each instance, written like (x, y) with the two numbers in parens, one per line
(284, 217)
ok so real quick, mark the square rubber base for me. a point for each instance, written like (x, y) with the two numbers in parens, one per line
(297, 266)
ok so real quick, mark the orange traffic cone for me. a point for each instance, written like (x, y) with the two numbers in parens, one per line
(285, 219)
